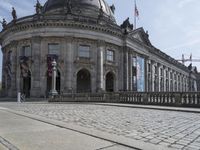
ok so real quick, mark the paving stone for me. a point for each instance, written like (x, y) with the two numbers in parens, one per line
(153, 126)
(190, 148)
(178, 146)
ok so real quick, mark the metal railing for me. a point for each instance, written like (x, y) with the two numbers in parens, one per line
(186, 99)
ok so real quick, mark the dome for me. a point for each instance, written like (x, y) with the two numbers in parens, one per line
(88, 8)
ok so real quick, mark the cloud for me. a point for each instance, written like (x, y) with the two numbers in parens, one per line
(5, 5)
(183, 3)
(187, 44)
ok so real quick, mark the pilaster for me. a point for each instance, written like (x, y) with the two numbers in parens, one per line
(100, 68)
(126, 71)
(35, 76)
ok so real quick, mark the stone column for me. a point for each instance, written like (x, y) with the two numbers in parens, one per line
(14, 70)
(148, 75)
(3, 71)
(153, 76)
(146, 84)
(164, 79)
(158, 78)
(126, 75)
(175, 82)
(130, 72)
(18, 71)
(100, 68)
(35, 76)
(69, 64)
(184, 83)
(54, 72)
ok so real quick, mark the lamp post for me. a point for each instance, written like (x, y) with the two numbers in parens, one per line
(54, 72)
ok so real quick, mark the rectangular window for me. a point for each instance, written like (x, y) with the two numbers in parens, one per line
(161, 71)
(155, 70)
(140, 74)
(26, 51)
(84, 51)
(134, 73)
(134, 61)
(149, 68)
(54, 49)
(166, 74)
(110, 55)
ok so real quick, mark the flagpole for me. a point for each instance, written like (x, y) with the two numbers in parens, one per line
(135, 24)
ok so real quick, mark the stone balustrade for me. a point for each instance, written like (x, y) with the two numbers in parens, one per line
(186, 99)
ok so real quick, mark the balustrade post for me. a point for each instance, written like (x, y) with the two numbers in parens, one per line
(145, 98)
(177, 97)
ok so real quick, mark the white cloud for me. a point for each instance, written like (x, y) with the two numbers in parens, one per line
(186, 44)
(183, 3)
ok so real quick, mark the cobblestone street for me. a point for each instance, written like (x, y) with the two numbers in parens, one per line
(178, 130)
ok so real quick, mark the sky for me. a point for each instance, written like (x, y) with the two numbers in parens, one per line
(173, 25)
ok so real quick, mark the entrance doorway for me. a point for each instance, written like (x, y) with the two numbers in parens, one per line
(83, 81)
(110, 82)
(27, 85)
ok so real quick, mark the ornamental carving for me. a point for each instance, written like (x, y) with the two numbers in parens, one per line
(25, 66)
(50, 59)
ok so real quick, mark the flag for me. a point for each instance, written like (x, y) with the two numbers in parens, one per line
(136, 15)
(136, 11)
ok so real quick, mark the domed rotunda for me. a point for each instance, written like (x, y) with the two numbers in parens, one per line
(93, 53)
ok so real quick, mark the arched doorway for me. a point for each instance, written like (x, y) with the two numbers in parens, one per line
(110, 82)
(27, 84)
(49, 82)
(83, 81)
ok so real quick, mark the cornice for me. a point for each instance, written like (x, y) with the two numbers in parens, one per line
(37, 24)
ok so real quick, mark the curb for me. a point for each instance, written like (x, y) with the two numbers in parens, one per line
(179, 109)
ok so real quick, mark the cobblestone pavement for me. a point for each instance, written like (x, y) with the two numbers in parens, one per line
(178, 130)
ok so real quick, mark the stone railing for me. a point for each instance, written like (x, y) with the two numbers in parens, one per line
(187, 99)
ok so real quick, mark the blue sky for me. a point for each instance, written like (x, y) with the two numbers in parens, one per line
(173, 25)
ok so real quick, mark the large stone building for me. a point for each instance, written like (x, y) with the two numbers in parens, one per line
(93, 53)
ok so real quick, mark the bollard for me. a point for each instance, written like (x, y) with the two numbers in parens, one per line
(19, 97)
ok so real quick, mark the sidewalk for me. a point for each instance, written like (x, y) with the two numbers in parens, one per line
(41, 123)
(22, 133)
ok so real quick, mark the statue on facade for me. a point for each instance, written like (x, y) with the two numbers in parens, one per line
(127, 26)
(112, 8)
(4, 23)
(100, 13)
(68, 6)
(24, 66)
(14, 14)
(38, 8)
(147, 33)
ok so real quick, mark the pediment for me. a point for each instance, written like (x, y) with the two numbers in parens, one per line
(140, 35)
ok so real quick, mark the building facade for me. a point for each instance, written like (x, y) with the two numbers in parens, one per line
(92, 52)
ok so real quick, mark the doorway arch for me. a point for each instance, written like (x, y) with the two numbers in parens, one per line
(83, 81)
(110, 82)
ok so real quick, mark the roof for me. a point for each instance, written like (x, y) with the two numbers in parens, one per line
(82, 7)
